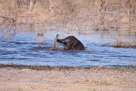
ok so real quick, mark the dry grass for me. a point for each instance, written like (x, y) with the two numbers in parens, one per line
(124, 44)
(101, 15)
(82, 16)
(41, 78)
(92, 69)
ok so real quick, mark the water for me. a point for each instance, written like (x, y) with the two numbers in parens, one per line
(23, 49)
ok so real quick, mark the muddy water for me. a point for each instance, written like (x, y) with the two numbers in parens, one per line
(23, 48)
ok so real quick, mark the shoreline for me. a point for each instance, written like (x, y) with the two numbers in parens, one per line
(38, 67)
(46, 78)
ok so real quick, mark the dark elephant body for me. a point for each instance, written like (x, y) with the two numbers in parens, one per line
(71, 43)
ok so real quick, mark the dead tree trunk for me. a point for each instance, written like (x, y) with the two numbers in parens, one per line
(32, 2)
(102, 10)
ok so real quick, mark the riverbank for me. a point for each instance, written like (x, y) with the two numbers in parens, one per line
(114, 18)
(81, 15)
(45, 78)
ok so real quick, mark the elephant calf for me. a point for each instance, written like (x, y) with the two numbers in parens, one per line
(71, 43)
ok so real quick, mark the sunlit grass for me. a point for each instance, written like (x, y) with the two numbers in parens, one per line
(82, 16)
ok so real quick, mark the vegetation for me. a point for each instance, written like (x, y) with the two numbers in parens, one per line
(82, 16)
(36, 67)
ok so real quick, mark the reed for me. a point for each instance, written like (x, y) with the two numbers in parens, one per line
(82, 16)
(104, 14)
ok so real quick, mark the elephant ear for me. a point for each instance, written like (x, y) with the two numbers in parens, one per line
(65, 43)
(74, 44)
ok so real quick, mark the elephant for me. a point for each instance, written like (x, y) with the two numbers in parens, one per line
(70, 43)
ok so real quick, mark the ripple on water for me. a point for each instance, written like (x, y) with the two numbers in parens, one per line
(25, 50)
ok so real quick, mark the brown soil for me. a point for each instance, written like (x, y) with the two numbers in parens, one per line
(44, 78)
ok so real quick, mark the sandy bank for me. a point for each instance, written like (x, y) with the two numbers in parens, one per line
(66, 79)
